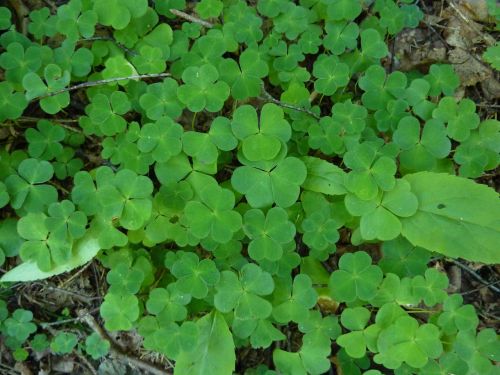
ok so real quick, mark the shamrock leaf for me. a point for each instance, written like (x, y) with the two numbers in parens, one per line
(443, 79)
(372, 44)
(320, 232)
(149, 60)
(380, 89)
(106, 111)
(55, 80)
(194, 277)
(19, 326)
(64, 343)
(340, 36)
(96, 347)
(243, 294)
(492, 56)
(119, 311)
(406, 341)
(281, 185)
(343, 10)
(268, 233)
(356, 278)
(354, 342)
(456, 316)
(44, 141)
(478, 351)
(213, 216)
(296, 302)
(330, 73)
(160, 99)
(12, 104)
(460, 117)
(201, 91)
(64, 222)
(167, 305)
(19, 62)
(261, 141)
(402, 258)
(27, 190)
(162, 138)
(124, 279)
(430, 288)
(368, 173)
(128, 198)
(245, 80)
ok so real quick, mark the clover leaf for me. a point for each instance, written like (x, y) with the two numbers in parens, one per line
(406, 341)
(55, 80)
(64, 222)
(20, 325)
(149, 61)
(294, 303)
(64, 343)
(19, 62)
(443, 79)
(492, 56)
(281, 185)
(456, 316)
(201, 91)
(330, 73)
(44, 141)
(124, 279)
(213, 216)
(12, 104)
(243, 294)
(167, 305)
(27, 190)
(245, 80)
(380, 88)
(106, 111)
(320, 232)
(160, 99)
(268, 233)
(194, 277)
(372, 44)
(356, 278)
(340, 36)
(354, 342)
(119, 311)
(5, 15)
(368, 173)
(96, 347)
(162, 138)
(460, 118)
(261, 141)
(128, 198)
(431, 287)
(402, 258)
(478, 350)
(343, 10)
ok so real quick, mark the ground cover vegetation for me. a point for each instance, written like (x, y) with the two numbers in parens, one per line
(249, 187)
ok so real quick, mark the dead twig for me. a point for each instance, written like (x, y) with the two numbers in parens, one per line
(116, 350)
(475, 275)
(190, 18)
(102, 82)
(268, 97)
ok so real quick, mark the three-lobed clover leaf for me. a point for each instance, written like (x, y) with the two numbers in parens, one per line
(456, 316)
(194, 277)
(126, 197)
(96, 347)
(64, 222)
(372, 44)
(12, 103)
(243, 294)
(161, 138)
(380, 88)
(160, 99)
(320, 232)
(64, 343)
(201, 89)
(443, 79)
(355, 320)
(281, 185)
(369, 173)
(331, 74)
(119, 311)
(340, 36)
(44, 141)
(406, 341)
(245, 80)
(460, 118)
(149, 60)
(356, 278)
(19, 326)
(167, 305)
(430, 288)
(27, 190)
(213, 216)
(18, 62)
(294, 304)
(261, 140)
(106, 111)
(268, 233)
(124, 279)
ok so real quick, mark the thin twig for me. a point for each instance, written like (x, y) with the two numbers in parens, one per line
(86, 362)
(110, 39)
(102, 82)
(190, 18)
(475, 275)
(116, 350)
(271, 99)
(479, 288)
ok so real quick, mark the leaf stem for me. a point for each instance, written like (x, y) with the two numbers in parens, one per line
(190, 18)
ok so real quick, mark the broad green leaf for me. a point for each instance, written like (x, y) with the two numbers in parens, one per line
(456, 217)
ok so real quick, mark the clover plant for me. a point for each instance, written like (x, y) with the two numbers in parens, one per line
(251, 176)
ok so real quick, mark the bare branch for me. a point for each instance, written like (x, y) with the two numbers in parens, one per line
(190, 18)
(271, 99)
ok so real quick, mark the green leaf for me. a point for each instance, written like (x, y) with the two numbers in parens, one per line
(492, 56)
(331, 74)
(430, 288)
(194, 276)
(161, 99)
(64, 343)
(119, 311)
(96, 347)
(372, 44)
(456, 217)
(213, 353)
(356, 278)
(298, 301)
(12, 104)
(5, 21)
